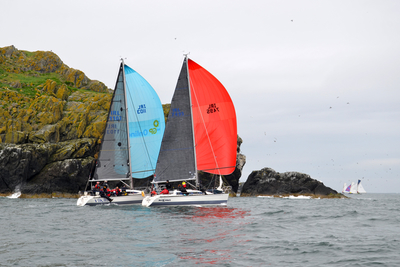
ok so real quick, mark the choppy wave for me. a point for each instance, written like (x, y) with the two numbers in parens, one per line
(248, 232)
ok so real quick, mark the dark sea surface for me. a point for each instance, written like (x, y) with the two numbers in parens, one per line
(361, 231)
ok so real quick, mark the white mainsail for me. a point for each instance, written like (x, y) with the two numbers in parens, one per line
(360, 188)
(344, 188)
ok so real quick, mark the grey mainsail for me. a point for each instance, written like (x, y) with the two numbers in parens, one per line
(113, 156)
(176, 161)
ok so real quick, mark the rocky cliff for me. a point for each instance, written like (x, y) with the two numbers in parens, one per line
(267, 182)
(51, 122)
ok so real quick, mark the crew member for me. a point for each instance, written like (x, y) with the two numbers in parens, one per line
(153, 193)
(183, 189)
(165, 191)
(168, 185)
(117, 192)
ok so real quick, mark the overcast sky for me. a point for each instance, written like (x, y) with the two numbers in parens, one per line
(315, 84)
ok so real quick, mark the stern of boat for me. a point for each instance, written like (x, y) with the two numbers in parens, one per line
(84, 199)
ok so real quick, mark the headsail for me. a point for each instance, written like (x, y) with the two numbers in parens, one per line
(113, 156)
(214, 122)
(176, 160)
(146, 124)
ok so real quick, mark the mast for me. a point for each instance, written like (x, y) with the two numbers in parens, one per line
(191, 118)
(127, 122)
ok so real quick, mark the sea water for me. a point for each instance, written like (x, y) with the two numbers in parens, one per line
(360, 231)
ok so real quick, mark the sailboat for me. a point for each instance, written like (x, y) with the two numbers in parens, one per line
(131, 141)
(200, 135)
(344, 188)
(353, 188)
(360, 188)
(347, 190)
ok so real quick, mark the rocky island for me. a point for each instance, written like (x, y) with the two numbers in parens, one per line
(268, 182)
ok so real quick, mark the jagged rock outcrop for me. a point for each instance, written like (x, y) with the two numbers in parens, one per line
(46, 168)
(233, 178)
(269, 182)
(52, 118)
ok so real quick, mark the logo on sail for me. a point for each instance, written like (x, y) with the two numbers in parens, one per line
(138, 134)
(155, 124)
(212, 108)
(141, 109)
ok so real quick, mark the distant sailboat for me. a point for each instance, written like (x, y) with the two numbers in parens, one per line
(353, 188)
(344, 188)
(360, 188)
(347, 190)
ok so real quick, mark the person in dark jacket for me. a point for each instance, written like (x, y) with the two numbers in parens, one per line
(168, 185)
(182, 188)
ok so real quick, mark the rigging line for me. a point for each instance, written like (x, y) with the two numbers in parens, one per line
(204, 124)
(140, 129)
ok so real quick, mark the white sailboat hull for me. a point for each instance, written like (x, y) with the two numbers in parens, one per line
(119, 200)
(189, 200)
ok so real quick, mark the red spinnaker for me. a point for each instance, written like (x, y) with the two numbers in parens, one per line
(214, 121)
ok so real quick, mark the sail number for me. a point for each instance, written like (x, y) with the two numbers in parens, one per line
(177, 113)
(114, 116)
(112, 129)
(141, 109)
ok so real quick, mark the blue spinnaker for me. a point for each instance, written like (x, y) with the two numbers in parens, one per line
(146, 124)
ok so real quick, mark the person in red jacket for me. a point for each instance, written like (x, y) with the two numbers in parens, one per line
(97, 186)
(165, 191)
(117, 192)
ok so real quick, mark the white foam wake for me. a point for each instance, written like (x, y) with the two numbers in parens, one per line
(15, 195)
